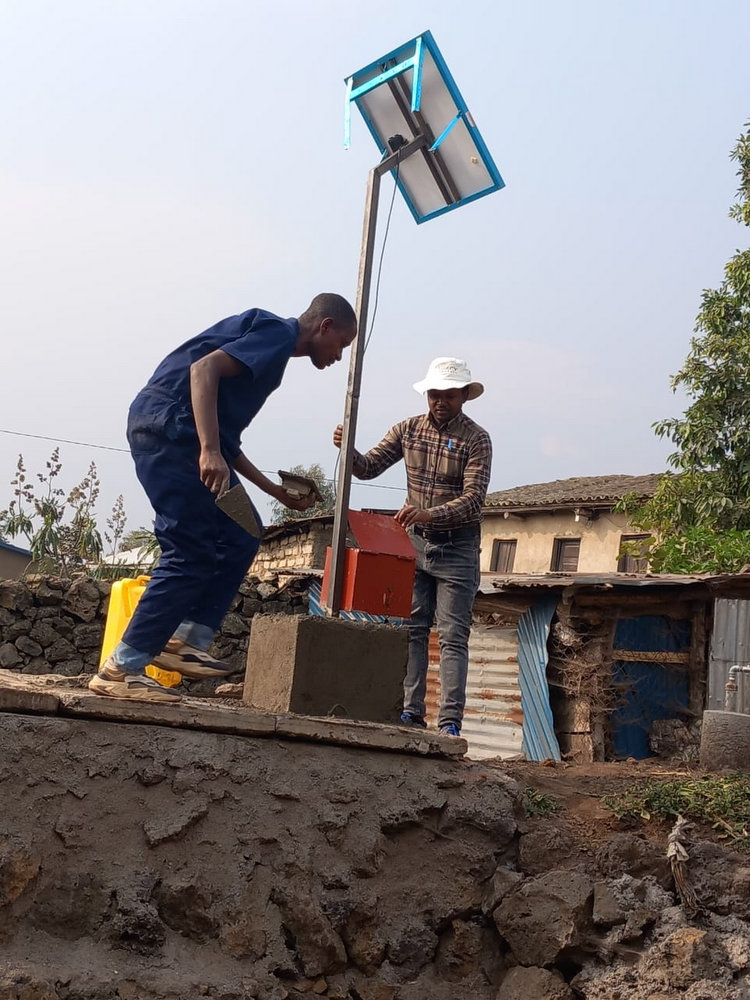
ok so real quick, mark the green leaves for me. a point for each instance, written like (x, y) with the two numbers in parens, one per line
(60, 530)
(700, 515)
(280, 514)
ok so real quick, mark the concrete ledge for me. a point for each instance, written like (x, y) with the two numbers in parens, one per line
(725, 741)
(51, 695)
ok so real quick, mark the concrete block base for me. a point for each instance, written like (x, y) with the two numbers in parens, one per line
(725, 741)
(326, 666)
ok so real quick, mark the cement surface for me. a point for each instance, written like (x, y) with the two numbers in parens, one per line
(326, 667)
(725, 741)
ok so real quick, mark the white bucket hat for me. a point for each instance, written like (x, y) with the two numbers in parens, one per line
(449, 373)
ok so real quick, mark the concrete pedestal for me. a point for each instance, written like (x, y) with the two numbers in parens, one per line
(326, 666)
(725, 741)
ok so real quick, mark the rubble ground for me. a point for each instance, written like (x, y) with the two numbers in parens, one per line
(152, 863)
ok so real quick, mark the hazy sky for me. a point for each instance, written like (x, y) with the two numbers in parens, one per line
(169, 163)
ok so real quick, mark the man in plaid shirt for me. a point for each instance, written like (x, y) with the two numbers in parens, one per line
(448, 459)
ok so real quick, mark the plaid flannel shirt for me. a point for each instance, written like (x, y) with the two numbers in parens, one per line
(447, 468)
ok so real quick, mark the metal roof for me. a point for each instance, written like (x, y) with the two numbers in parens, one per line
(14, 548)
(717, 584)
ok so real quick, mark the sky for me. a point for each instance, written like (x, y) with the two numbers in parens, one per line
(168, 163)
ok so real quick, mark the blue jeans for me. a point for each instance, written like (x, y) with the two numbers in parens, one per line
(205, 554)
(445, 585)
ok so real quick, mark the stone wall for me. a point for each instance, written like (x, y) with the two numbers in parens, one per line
(52, 625)
(302, 548)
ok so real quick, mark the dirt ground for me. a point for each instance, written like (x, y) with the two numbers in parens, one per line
(580, 788)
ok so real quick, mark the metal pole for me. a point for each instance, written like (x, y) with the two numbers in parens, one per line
(367, 253)
(343, 490)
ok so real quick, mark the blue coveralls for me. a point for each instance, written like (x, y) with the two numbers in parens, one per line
(205, 554)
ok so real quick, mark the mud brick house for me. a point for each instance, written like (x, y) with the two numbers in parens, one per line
(14, 561)
(566, 526)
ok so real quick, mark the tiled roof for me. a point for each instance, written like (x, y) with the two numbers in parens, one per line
(580, 490)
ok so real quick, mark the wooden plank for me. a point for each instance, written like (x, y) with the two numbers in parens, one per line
(190, 713)
(650, 656)
(372, 735)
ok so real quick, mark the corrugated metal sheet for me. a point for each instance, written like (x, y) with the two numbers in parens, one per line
(493, 718)
(614, 582)
(316, 608)
(730, 645)
(539, 740)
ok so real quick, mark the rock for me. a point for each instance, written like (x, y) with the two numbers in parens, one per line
(28, 646)
(82, 599)
(43, 633)
(88, 637)
(503, 882)
(468, 950)
(364, 936)
(9, 656)
(173, 825)
(534, 984)
(267, 590)
(628, 854)
(546, 915)
(47, 591)
(184, 907)
(136, 927)
(229, 690)
(319, 947)
(20, 986)
(18, 867)
(15, 595)
(60, 650)
(536, 848)
(70, 668)
(607, 909)
(685, 957)
(411, 943)
(489, 806)
(234, 625)
(72, 906)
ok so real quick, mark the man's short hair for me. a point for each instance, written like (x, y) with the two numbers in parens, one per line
(333, 305)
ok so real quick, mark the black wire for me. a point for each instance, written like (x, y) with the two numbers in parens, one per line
(126, 451)
(382, 252)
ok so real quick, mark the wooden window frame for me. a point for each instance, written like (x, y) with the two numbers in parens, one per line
(508, 546)
(557, 563)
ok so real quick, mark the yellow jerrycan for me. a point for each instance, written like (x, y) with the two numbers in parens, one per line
(123, 598)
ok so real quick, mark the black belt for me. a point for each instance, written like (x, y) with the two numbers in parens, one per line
(442, 535)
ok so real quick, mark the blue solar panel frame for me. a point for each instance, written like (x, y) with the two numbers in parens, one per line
(411, 92)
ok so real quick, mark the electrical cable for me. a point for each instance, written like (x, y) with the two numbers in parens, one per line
(125, 451)
(382, 253)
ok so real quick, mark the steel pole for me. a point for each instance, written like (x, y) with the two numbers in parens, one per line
(367, 253)
(343, 490)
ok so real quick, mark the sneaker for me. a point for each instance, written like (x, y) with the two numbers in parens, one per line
(450, 729)
(190, 662)
(410, 719)
(115, 683)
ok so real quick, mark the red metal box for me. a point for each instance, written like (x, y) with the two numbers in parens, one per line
(379, 572)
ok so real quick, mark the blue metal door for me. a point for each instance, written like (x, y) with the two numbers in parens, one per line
(648, 689)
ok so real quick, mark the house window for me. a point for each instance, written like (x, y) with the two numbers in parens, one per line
(565, 553)
(633, 558)
(503, 555)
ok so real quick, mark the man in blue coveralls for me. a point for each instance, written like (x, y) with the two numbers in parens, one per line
(184, 434)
